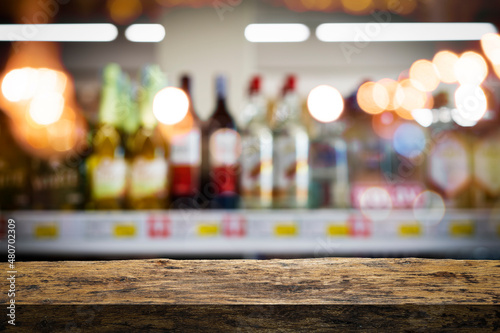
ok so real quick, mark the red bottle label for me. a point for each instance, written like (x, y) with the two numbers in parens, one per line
(185, 180)
(224, 178)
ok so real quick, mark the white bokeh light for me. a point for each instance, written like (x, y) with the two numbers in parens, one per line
(471, 68)
(325, 103)
(471, 102)
(47, 108)
(20, 84)
(170, 105)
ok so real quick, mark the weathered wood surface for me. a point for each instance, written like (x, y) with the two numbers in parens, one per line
(243, 295)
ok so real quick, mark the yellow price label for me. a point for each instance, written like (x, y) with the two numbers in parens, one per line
(124, 230)
(410, 229)
(337, 230)
(285, 229)
(208, 229)
(46, 230)
(461, 228)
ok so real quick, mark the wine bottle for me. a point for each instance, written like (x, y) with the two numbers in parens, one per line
(221, 151)
(148, 181)
(257, 152)
(290, 151)
(14, 170)
(185, 155)
(106, 166)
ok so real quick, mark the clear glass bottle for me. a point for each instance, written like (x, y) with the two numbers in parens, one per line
(290, 151)
(256, 178)
(148, 179)
(185, 155)
(106, 166)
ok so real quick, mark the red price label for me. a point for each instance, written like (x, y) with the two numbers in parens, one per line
(234, 226)
(159, 226)
(359, 226)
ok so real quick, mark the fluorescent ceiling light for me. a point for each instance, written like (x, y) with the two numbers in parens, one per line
(86, 32)
(276, 33)
(401, 32)
(145, 33)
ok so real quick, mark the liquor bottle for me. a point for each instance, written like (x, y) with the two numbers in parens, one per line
(14, 170)
(106, 166)
(367, 158)
(486, 157)
(185, 155)
(486, 175)
(290, 151)
(257, 152)
(221, 151)
(148, 180)
(57, 185)
(329, 186)
(449, 162)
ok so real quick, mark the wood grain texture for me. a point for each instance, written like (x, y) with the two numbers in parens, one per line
(243, 295)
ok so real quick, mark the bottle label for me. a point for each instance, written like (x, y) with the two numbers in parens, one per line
(224, 152)
(148, 177)
(377, 196)
(486, 164)
(186, 148)
(257, 169)
(109, 179)
(291, 168)
(448, 165)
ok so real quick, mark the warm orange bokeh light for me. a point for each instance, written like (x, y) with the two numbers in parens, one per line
(491, 47)
(401, 7)
(410, 99)
(124, 11)
(424, 76)
(391, 87)
(444, 63)
(471, 68)
(372, 97)
(357, 6)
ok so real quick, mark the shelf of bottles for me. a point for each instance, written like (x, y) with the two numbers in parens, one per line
(396, 166)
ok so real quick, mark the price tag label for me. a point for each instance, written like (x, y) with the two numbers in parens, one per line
(462, 228)
(124, 230)
(410, 229)
(286, 229)
(337, 230)
(208, 229)
(48, 230)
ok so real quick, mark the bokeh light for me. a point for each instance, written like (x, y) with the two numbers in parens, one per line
(357, 6)
(491, 47)
(20, 84)
(423, 117)
(391, 88)
(170, 105)
(444, 63)
(372, 97)
(410, 98)
(461, 121)
(471, 102)
(124, 11)
(325, 103)
(471, 68)
(424, 76)
(409, 140)
(429, 208)
(46, 108)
